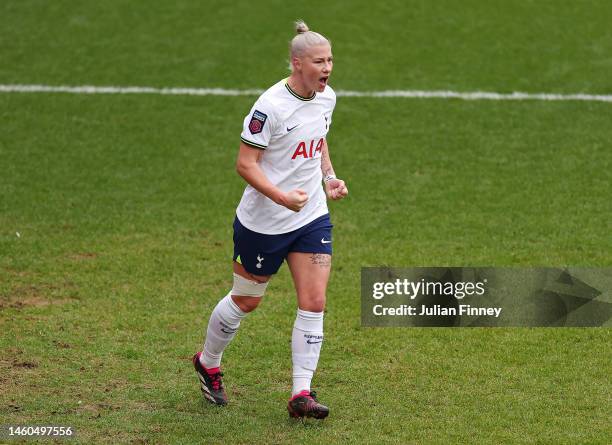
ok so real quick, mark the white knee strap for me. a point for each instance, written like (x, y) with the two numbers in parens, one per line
(248, 288)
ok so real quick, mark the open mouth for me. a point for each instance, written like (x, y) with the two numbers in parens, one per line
(323, 81)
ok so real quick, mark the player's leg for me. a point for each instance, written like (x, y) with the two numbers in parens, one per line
(244, 297)
(310, 265)
(248, 303)
(251, 276)
(310, 273)
(223, 324)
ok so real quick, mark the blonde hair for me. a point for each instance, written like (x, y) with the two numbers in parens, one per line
(304, 39)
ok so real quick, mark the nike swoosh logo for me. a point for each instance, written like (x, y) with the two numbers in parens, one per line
(289, 129)
(324, 241)
(313, 342)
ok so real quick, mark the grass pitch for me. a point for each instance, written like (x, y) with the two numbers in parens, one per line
(124, 204)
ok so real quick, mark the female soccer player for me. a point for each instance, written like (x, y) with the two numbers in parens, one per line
(283, 215)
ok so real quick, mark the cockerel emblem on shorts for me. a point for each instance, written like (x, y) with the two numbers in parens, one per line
(259, 259)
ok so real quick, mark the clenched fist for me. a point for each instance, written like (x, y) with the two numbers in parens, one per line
(335, 189)
(295, 200)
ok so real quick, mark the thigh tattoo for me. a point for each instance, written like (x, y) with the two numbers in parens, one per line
(322, 259)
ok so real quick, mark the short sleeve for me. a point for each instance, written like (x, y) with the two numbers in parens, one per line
(258, 125)
(328, 117)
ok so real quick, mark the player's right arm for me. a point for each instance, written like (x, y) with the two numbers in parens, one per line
(248, 167)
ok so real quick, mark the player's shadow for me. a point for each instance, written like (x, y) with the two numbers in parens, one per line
(306, 423)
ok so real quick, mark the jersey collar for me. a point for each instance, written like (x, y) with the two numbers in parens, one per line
(295, 94)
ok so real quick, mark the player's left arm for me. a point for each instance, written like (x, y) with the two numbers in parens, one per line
(334, 188)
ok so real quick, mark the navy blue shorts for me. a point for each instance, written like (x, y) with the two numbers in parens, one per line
(263, 254)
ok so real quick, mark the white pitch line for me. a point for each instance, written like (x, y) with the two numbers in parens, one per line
(89, 89)
(475, 95)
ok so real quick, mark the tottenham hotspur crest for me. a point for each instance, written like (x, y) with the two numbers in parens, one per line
(260, 259)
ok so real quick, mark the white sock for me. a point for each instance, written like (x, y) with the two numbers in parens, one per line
(222, 327)
(306, 342)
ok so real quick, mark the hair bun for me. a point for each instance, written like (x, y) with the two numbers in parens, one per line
(301, 27)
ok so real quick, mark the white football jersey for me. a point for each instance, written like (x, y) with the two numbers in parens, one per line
(291, 130)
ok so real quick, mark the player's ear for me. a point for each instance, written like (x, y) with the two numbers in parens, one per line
(297, 63)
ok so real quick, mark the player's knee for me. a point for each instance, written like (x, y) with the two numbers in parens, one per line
(247, 293)
(313, 303)
(246, 304)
